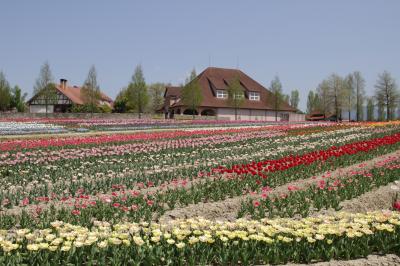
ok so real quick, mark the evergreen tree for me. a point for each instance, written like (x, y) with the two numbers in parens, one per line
(349, 94)
(137, 91)
(294, 99)
(121, 102)
(381, 109)
(310, 102)
(370, 109)
(5, 93)
(191, 93)
(18, 99)
(277, 95)
(359, 87)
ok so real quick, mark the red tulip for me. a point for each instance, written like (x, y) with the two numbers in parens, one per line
(396, 205)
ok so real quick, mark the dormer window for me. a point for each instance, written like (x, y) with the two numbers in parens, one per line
(222, 94)
(254, 96)
(238, 95)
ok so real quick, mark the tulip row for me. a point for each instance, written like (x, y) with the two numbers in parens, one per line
(323, 194)
(204, 242)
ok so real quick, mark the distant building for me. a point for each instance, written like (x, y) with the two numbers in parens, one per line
(320, 116)
(214, 82)
(66, 97)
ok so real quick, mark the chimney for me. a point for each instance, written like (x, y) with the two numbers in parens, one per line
(63, 83)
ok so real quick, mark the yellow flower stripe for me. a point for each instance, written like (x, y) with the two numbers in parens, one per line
(183, 233)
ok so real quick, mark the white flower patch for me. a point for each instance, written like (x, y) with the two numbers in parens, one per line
(14, 128)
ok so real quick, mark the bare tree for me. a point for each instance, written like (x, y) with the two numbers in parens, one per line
(336, 94)
(325, 101)
(91, 90)
(45, 88)
(156, 91)
(386, 93)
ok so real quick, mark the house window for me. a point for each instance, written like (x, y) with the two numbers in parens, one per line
(254, 96)
(222, 94)
(239, 95)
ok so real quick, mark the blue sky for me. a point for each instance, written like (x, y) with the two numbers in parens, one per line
(301, 41)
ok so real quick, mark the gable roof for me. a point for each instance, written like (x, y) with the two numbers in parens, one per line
(213, 78)
(172, 91)
(74, 93)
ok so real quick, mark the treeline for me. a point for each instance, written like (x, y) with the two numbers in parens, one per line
(136, 97)
(336, 95)
(139, 97)
(11, 98)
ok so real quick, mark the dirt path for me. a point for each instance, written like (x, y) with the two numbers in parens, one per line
(227, 209)
(374, 200)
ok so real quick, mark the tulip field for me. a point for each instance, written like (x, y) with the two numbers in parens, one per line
(132, 192)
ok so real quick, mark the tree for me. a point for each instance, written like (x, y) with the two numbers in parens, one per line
(294, 99)
(191, 93)
(44, 88)
(324, 102)
(18, 99)
(348, 93)
(121, 102)
(336, 94)
(381, 110)
(359, 87)
(91, 91)
(156, 95)
(310, 102)
(286, 98)
(191, 76)
(370, 109)
(277, 95)
(235, 95)
(137, 91)
(5, 94)
(386, 94)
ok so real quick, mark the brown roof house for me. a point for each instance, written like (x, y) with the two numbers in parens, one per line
(214, 82)
(66, 97)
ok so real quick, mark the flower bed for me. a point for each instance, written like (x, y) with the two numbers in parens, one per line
(199, 241)
(139, 177)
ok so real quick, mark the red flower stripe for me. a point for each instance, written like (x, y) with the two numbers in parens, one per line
(263, 167)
